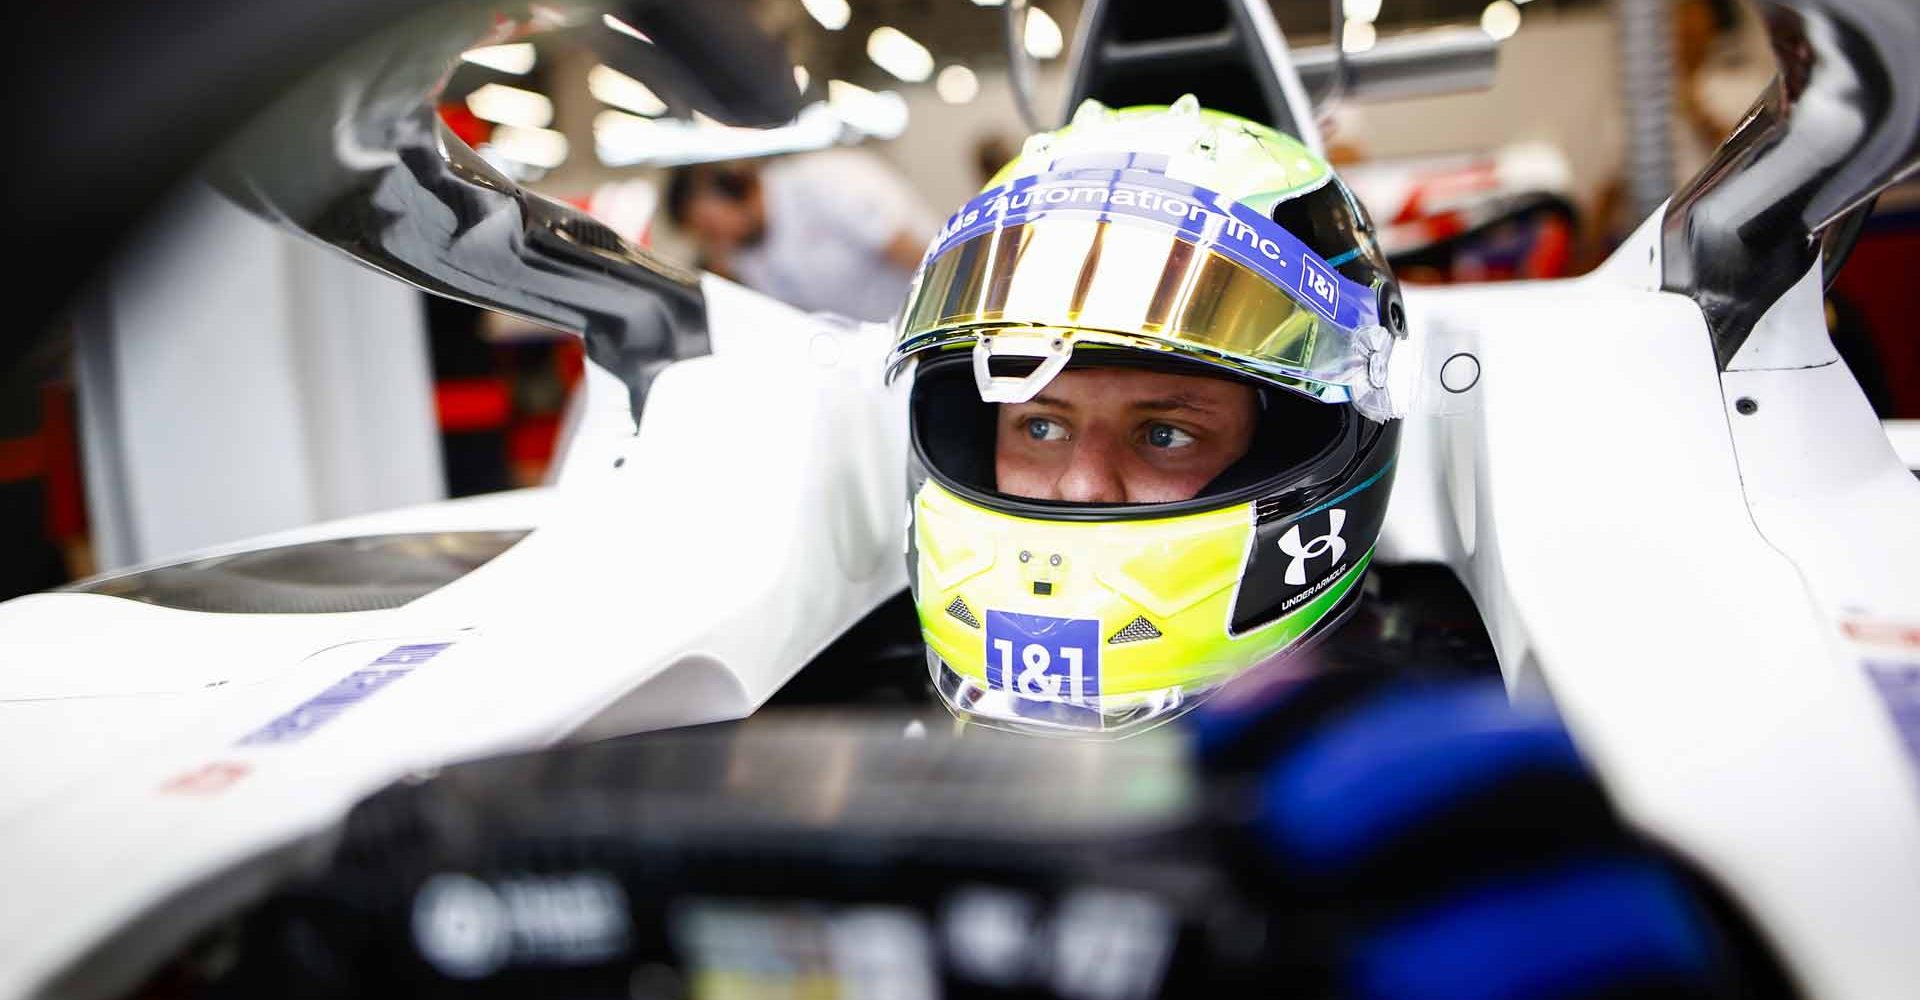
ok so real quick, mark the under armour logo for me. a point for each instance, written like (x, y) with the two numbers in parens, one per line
(1329, 544)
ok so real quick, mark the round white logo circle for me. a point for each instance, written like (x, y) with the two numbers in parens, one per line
(460, 926)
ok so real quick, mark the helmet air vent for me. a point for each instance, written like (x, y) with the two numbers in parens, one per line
(1137, 630)
(959, 609)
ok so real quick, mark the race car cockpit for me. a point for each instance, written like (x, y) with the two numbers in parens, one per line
(669, 725)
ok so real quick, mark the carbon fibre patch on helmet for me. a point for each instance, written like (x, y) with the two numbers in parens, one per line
(959, 609)
(1137, 630)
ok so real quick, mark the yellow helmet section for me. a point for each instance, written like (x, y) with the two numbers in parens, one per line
(1063, 611)
(1239, 158)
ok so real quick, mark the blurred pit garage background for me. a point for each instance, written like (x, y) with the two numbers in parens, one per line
(227, 379)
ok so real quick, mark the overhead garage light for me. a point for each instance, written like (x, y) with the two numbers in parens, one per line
(989, 3)
(882, 115)
(1043, 38)
(832, 14)
(623, 140)
(1500, 20)
(535, 147)
(624, 28)
(504, 105)
(516, 57)
(896, 52)
(1357, 36)
(1361, 10)
(610, 120)
(610, 86)
(957, 85)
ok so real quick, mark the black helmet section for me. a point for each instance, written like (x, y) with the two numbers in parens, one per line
(1305, 540)
(1337, 227)
(1303, 450)
(1332, 223)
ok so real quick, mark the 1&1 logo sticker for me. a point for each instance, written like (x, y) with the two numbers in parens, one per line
(1043, 658)
(1320, 284)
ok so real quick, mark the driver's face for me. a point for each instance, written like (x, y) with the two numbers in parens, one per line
(1117, 435)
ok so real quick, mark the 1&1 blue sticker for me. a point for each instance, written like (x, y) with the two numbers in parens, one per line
(1041, 658)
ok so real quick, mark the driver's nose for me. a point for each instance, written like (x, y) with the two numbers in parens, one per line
(1093, 475)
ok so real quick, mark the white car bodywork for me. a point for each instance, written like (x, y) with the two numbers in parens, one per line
(1723, 601)
(679, 574)
(1724, 606)
(1707, 595)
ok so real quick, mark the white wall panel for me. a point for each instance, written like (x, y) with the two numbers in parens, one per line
(235, 380)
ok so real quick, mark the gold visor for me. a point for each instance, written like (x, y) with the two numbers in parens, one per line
(1104, 276)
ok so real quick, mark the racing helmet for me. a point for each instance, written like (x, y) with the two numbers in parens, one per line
(1172, 239)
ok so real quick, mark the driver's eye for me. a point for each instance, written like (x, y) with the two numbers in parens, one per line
(1168, 436)
(1042, 429)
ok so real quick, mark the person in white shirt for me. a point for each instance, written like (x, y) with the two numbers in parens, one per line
(835, 231)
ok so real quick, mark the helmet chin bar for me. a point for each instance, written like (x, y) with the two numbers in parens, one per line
(1054, 350)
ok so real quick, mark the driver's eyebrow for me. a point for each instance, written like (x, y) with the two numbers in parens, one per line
(1157, 404)
(1177, 401)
